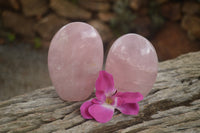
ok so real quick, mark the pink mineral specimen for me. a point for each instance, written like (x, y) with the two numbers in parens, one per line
(74, 60)
(132, 60)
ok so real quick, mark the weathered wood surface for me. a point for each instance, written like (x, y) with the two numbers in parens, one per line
(172, 106)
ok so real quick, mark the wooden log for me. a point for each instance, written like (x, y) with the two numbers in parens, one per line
(172, 106)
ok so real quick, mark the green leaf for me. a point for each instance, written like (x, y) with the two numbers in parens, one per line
(37, 42)
(11, 37)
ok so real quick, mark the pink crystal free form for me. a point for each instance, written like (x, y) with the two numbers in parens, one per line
(75, 58)
(132, 60)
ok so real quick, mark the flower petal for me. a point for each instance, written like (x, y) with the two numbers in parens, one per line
(101, 112)
(100, 95)
(129, 108)
(96, 101)
(130, 97)
(104, 85)
(84, 109)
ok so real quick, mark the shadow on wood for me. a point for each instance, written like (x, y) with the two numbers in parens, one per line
(172, 106)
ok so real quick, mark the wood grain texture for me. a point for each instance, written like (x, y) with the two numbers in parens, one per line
(172, 106)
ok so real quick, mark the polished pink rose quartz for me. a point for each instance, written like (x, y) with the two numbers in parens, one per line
(74, 60)
(132, 60)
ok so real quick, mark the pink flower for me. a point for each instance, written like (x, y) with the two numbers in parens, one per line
(107, 99)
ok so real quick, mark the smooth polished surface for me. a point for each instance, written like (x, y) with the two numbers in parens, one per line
(132, 60)
(74, 60)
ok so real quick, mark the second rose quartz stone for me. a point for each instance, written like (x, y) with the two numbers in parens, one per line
(132, 61)
(75, 58)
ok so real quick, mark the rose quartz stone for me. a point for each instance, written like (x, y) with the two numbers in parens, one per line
(132, 60)
(74, 60)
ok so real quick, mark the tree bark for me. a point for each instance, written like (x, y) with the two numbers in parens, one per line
(172, 106)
